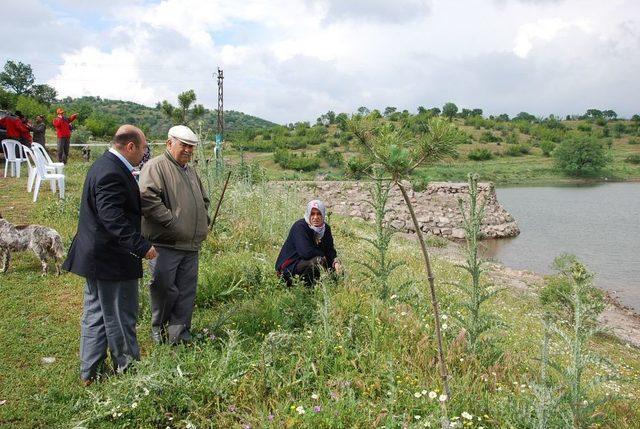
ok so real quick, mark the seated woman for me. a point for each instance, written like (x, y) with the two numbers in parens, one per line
(309, 247)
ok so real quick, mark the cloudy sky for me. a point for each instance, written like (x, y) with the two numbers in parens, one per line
(287, 60)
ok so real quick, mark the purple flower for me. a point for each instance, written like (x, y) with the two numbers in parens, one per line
(271, 417)
(246, 426)
(232, 408)
(317, 409)
(333, 395)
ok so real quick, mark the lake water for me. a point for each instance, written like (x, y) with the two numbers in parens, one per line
(600, 224)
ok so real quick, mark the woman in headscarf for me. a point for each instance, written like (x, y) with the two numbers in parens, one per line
(309, 247)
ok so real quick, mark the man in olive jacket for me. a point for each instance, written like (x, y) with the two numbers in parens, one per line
(175, 219)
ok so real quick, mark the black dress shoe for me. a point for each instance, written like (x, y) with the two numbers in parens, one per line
(157, 335)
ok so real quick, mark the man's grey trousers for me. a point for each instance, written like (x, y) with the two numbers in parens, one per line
(108, 320)
(173, 291)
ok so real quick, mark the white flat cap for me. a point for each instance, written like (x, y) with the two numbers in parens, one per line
(184, 134)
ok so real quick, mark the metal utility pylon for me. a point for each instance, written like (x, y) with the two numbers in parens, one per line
(220, 127)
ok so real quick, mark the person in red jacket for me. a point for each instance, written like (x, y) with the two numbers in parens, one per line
(16, 128)
(61, 123)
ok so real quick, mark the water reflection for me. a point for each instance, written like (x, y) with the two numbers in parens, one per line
(600, 224)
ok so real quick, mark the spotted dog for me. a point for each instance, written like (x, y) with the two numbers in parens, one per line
(44, 242)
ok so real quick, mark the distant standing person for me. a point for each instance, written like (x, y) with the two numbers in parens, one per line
(175, 209)
(108, 250)
(38, 130)
(63, 129)
(16, 128)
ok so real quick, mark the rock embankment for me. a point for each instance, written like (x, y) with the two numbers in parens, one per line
(436, 207)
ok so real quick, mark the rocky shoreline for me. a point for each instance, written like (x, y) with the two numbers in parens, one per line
(621, 321)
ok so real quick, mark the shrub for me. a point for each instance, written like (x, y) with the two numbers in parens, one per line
(488, 137)
(512, 138)
(584, 128)
(547, 146)
(332, 157)
(80, 135)
(517, 150)
(634, 141)
(481, 154)
(633, 159)
(580, 156)
(293, 161)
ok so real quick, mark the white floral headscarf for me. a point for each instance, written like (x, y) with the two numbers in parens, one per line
(316, 204)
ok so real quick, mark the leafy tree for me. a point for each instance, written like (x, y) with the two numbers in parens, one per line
(610, 114)
(331, 116)
(388, 111)
(7, 100)
(465, 113)
(449, 110)
(503, 117)
(636, 118)
(435, 111)
(30, 107)
(580, 156)
(476, 112)
(422, 110)
(17, 77)
(375, 113)
(524, 116)
(362, 110)
(84, 110)
(341, 120)
(101, 125)
(593, 114)
(44, 93)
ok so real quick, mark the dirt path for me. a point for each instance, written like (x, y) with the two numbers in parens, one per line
(621, 321)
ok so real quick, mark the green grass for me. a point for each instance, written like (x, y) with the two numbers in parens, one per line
(262, 350)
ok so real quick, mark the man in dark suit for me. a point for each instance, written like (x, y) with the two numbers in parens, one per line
(108, 250)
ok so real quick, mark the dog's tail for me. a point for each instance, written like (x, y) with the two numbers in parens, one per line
(56, 246)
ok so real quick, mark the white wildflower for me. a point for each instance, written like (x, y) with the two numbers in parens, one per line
(417, 394)
(442, 398)
(300, 409)
(432, 395)
(466, 415)
(315, 396)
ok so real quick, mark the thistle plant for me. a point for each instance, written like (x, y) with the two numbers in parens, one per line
(545, 395)
(474, 320)
(397, 154)
(381, 266)
(582, 327)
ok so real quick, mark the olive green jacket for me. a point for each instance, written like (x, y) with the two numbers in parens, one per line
(175, 206)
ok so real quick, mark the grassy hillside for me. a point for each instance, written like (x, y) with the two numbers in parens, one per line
(505, 152)
(270, 357)
(152, 120)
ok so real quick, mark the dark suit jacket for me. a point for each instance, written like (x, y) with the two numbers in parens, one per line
(108, 244)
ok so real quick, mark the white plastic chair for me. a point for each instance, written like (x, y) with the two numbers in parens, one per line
(13, 155)
(58, 166)
(43, 174)
(52, 167)
(31, 168)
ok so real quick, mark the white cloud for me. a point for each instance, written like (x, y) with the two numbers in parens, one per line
(288, 60)
(113, 74)
(545, 30)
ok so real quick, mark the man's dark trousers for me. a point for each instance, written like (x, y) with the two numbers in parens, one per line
(63, 148)
(109, 318)
(173, 292)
